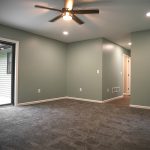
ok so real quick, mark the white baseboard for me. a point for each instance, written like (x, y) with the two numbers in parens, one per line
(83, 99)
(80, 99)
(40, 101)
(127, 94)
(140, 106)
(112, 99)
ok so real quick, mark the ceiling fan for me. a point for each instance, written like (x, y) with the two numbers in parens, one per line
(68, 13)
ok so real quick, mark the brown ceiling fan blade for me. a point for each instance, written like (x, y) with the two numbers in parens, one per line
(56, 18)
(44, 7)
(87, 11)
(69, 4)
(76, 19)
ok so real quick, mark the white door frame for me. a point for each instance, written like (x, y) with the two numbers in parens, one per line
(16, 67)
(129, 72)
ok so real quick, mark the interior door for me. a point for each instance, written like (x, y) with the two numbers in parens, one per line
(126, 75)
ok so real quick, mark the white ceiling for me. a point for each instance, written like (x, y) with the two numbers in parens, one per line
(117, 19)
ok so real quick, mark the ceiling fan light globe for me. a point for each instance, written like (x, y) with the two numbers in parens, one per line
(67, 16)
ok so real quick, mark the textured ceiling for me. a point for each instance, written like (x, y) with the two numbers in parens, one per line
(117, 19)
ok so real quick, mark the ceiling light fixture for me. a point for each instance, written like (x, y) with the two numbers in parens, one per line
(129, 43)
(67, 16)
(65, 32)
(148, 14)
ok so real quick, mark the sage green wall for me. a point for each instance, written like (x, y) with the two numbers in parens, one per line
(60, 69)
(83, 60)
(112, 69)
(42, 64)
(140, 83)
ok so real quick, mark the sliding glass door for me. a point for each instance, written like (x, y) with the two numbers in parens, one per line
(7, 51)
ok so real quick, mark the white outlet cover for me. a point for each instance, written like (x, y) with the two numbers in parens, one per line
(80, 89)
(39, 90)
(107, 90)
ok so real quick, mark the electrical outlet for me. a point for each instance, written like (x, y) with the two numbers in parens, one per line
(107, 89)
(38, 91)
(80, 89)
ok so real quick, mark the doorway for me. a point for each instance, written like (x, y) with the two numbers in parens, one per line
(126, 75)
(7, 72)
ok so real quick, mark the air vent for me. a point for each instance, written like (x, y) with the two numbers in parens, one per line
(115, 89)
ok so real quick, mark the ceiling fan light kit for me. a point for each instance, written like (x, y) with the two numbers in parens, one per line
(67, 16)
(68, 13)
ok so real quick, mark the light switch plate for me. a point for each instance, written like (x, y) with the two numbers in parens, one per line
(98, 71)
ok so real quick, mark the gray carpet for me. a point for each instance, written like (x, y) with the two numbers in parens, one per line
(74, 125)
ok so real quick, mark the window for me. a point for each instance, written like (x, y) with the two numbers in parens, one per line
(9, 63)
